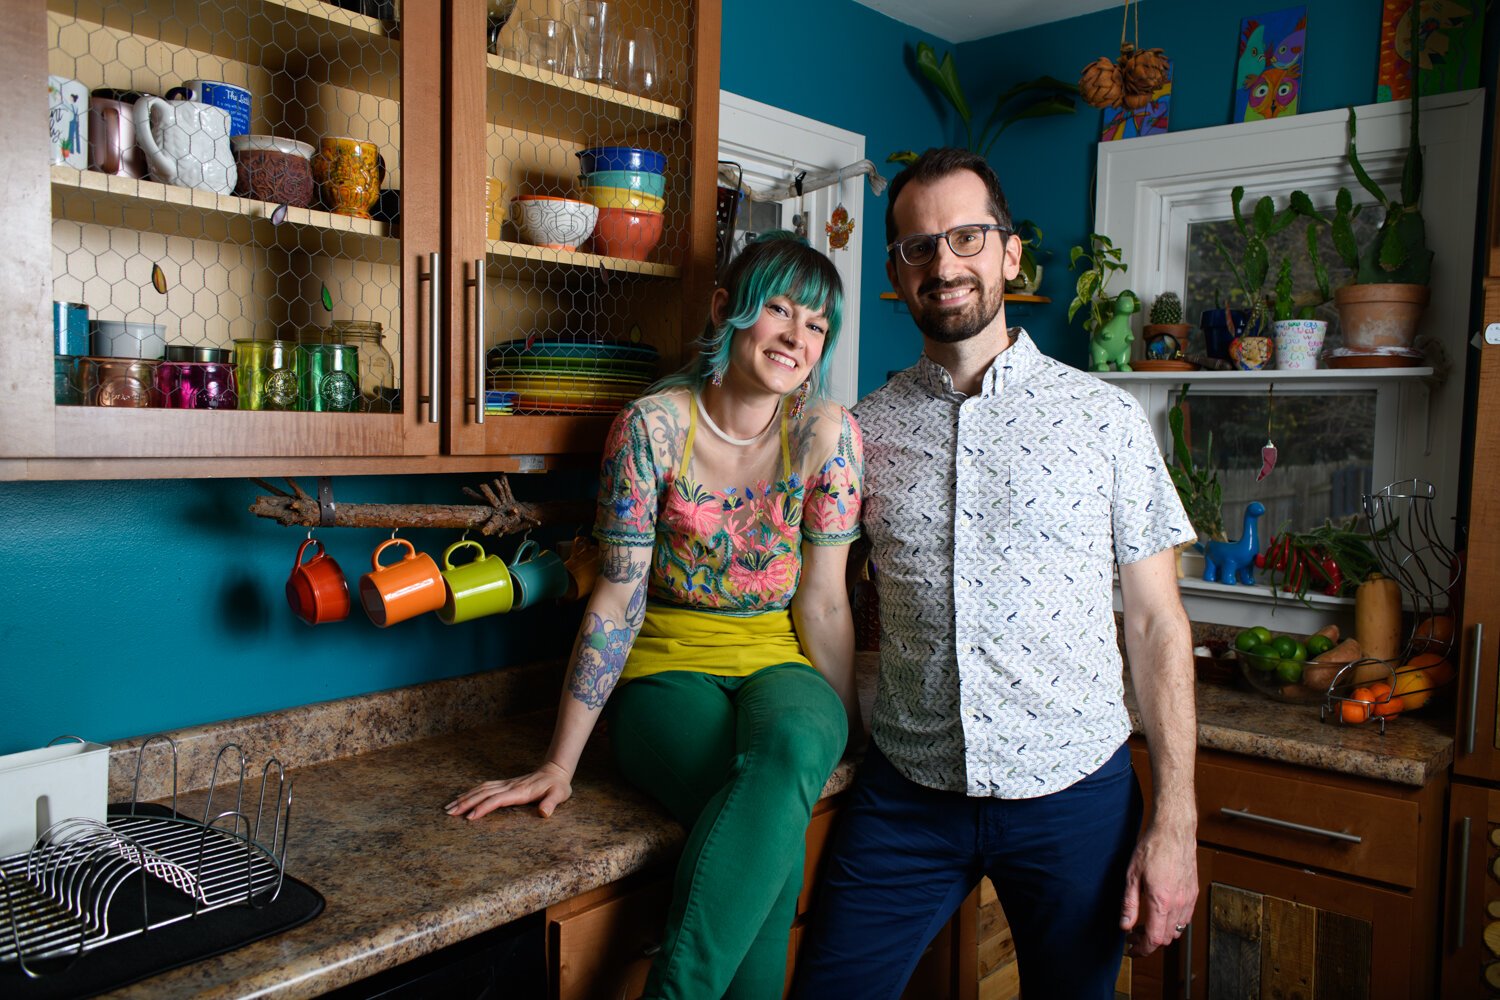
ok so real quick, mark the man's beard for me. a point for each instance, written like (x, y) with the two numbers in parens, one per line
(947, 326)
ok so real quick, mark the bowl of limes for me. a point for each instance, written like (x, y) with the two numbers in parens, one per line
(1273, 663)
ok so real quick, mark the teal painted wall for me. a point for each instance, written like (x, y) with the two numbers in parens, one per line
(135, 607)
(843, 64)
(1047, 165)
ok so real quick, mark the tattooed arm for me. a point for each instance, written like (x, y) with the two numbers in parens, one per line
(610, 625)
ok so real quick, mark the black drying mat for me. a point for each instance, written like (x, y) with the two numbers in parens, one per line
(114, 965)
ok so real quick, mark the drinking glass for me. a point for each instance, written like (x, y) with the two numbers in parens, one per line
(590, 21)
(548, 44)
(498, 12)
(635, 63)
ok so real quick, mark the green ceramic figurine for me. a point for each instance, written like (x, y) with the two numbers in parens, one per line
(1111, 344)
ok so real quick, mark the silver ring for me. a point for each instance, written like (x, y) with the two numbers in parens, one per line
(1180, 928)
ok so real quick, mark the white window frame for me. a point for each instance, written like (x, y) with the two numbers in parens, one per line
(1152, 188)
(773, 145)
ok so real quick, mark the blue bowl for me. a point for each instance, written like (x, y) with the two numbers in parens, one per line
(635, 180)
(621, 158)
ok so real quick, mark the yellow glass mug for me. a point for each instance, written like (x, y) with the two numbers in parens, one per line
(349, 173)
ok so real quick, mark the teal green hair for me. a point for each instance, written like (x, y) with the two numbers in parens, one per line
(776, 263)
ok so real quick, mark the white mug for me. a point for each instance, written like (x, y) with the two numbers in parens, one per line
(186, 143)
(68, 120)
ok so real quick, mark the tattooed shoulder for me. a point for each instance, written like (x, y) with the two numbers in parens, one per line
(665, 416)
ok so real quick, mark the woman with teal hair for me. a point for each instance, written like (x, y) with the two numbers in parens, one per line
(719, 634)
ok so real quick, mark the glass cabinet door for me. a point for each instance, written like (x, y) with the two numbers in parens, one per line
(574, 235)
(245, 206)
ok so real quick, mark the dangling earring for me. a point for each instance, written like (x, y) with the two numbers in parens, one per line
(801, 402)
(717, 377)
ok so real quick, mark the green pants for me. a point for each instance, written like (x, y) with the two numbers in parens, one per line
(740, 762)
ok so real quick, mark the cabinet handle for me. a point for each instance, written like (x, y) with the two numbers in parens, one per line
(1462, 902)
(477, 283)
(1187, 963)
(1285, 824)
(1474, 687)
(434, 281)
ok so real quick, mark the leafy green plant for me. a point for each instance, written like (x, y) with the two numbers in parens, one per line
(1102, 260)
(1036, 98)
(1031, 244)
(1252, 267)
(1334, 557)
(1197, 486)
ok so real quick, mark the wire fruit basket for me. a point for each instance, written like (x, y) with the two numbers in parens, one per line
(1405, 537)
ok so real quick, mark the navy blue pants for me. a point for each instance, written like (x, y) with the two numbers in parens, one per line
(905, 856)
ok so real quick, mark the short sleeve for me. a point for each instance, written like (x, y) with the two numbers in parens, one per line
(830, 512)
(1147, 514)
(630, 483)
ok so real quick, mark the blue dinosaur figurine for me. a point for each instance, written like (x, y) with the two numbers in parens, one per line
(1110, 344)
(1234, 562)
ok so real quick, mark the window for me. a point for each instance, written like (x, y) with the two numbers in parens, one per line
(1157, 196)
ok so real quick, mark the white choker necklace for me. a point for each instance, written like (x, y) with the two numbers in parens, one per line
(742, 442)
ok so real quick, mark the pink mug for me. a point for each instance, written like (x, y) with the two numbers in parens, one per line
(317, 590)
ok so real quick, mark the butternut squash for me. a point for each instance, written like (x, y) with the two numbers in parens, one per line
(1377, 617)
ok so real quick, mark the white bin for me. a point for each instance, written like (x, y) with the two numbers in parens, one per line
(40, 787)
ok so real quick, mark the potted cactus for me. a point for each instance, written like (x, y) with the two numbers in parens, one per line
(1165, 321)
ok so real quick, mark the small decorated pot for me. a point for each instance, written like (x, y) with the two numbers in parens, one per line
(1250, 354)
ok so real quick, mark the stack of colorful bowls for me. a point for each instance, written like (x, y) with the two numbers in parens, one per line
(628, 187)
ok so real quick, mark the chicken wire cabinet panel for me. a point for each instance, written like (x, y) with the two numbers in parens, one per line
(261, 232)
(583, 225)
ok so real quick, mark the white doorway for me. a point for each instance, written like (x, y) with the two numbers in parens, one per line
(774, 146)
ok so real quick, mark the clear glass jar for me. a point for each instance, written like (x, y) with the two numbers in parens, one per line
(377, 370)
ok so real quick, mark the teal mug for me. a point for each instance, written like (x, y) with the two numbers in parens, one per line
(482, 586)
(538, 574)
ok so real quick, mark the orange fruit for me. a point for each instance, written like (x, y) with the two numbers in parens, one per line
(1385, 704)
(1357, 709)
(1413, 688)
(1435, 631)
(1438, 670)
(1440, 673)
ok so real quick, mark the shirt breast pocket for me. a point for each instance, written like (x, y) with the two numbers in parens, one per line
(1053, 507)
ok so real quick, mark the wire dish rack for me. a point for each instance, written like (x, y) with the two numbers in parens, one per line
(1405, 537)
(85, 884)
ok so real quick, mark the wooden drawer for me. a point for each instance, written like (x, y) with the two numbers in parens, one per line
(1368, 834)
(600, 944)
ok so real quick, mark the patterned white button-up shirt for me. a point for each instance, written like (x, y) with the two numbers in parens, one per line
(995, 522)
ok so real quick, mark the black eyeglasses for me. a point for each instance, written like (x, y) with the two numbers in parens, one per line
(964, 241)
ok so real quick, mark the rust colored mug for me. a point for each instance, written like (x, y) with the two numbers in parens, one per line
(317, 590)
(582, 565)
(401, 590)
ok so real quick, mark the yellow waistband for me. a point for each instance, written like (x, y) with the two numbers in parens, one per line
(727, 645)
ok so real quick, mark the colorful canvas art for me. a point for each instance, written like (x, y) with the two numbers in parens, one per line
(1272, 54)
(1125, 123)
(1450, 34)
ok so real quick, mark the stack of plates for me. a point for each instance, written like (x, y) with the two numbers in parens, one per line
(499, 402)
(570, 373)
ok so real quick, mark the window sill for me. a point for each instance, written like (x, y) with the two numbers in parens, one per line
(1313, 378)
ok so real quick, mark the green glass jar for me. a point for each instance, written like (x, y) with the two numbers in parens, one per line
(330, 378)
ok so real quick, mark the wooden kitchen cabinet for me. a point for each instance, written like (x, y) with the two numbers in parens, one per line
(600, 944)
(1311, 883)
(445, 115)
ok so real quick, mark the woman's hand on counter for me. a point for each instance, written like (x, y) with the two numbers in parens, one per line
(549, 786)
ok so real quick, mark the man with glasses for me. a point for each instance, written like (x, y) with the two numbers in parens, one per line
(1002, 490)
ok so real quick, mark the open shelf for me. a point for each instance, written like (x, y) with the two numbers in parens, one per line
(1331, 376)
(88, 196)
(515, 260)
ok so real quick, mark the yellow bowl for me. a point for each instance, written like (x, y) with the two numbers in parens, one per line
(613, 197)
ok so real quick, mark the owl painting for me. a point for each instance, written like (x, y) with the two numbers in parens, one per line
(1270, 58)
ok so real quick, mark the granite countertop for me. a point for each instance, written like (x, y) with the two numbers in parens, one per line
(402, 878)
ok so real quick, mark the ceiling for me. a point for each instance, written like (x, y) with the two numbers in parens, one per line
(965, 20)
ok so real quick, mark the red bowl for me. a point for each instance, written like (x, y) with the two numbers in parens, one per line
(627, 233)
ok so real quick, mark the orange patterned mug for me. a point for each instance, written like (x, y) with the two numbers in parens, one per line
(349, 173)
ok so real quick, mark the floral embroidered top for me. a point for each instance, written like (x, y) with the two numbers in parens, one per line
(735, 550)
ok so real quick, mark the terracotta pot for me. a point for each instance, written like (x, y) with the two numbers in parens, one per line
(1372, 317)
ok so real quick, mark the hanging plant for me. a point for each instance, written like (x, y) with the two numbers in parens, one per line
(1131, 80)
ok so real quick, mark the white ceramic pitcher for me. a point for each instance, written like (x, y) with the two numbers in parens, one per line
(186, 143)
